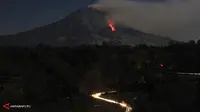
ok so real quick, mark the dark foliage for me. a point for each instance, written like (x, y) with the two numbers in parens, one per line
(47, 74)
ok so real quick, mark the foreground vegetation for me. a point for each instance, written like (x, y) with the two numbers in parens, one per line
(48, 74)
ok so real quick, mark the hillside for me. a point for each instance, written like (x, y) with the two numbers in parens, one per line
(84, 26)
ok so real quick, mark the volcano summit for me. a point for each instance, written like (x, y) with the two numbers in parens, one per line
(84, 26)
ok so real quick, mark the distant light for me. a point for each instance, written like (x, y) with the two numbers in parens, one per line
(135, 98)
(161, 65)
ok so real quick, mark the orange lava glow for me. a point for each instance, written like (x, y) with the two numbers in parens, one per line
(111, 25)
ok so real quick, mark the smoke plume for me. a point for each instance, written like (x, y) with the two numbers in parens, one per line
(178, 19)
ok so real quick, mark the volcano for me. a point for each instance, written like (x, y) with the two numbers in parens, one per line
(84, 26)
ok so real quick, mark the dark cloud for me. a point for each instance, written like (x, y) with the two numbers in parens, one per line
(179, 19)
(149, 0)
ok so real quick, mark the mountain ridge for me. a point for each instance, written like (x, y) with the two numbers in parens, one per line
(84, 26)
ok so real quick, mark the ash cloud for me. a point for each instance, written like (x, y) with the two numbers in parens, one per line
(178, 19)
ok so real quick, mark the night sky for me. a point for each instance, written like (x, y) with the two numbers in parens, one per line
(20, 15)
(179, 19)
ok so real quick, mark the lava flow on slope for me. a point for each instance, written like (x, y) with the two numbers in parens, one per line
(111, 25)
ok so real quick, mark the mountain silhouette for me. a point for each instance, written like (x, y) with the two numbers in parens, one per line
(84, 26)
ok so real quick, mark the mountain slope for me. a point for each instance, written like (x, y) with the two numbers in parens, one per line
(84, 26)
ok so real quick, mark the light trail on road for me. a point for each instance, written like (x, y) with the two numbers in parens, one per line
(122, 104)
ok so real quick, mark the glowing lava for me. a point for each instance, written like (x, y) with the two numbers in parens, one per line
(122, 104)
(111, 25)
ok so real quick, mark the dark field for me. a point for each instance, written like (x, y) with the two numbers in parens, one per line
(61, 79)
